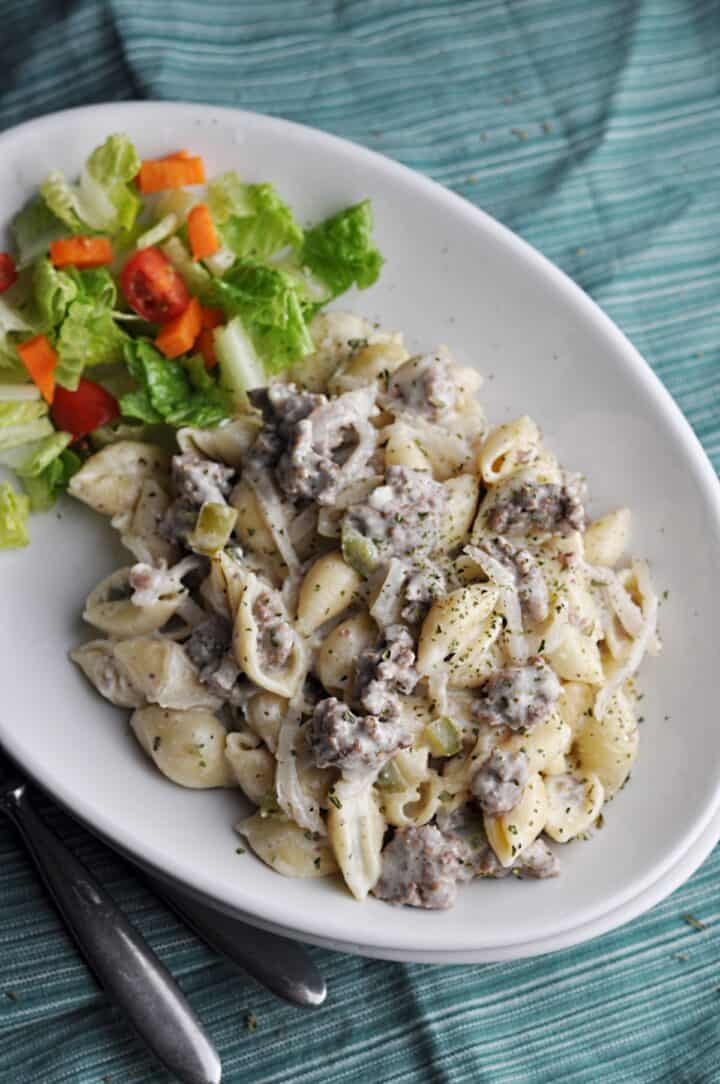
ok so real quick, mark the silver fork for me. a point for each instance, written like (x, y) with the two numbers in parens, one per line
(129, 970)
(122, 961)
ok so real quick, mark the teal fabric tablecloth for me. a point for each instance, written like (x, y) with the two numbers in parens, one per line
(592, 127)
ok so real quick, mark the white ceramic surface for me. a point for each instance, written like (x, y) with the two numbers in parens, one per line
(656, 892)
(452, 275)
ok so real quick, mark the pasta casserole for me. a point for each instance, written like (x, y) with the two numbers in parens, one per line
(394, 629)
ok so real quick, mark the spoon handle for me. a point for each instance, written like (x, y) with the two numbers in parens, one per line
(123, 963)
(280, 965)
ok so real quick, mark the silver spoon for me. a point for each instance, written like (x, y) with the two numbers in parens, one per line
(123, 962)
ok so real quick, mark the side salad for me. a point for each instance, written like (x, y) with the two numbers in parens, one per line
(180, 296)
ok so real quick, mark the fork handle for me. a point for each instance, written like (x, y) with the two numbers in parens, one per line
(122, 961)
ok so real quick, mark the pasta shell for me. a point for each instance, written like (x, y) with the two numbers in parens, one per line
(507, 449)
(573, 805)
(248, 633)
(286, 848)
(463, 493)
(458, 633)
(370, 363)
(333, 334)
(510, 834)
(120, 617)
(577, 658)
(543, 745)
(254, 769)
(228, 442)
(356, 828)
(251, 527)
(328, 588)
(223, 588)
(606, 539)
(608, 748)
(162, 671)
(141, 535)
(111, 480)
(264, 715)
(335, 661)
(187, 746)
(99, 663)
(402, 448)
(575, 704)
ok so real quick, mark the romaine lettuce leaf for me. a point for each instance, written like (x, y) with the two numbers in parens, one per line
(47, 469)
(95, 284)
(267, 301)
(14, 510)
(161, 231)
(340, 250)
(13, 327)
(240, 368)
(18, 412)
(44, 489)
(19, 393)
(21, 423)
(53, 291)
(77, 307)
(252, 218)
(33, 229)
(165, 391)
(195, 276)
(88, 336)
(112, 166)
(42, 454)
(102, 199)
(119, 430)
(63, 200)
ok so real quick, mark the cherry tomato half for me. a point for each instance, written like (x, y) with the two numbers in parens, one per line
(153, 287)
(8, 273)
(79, 412)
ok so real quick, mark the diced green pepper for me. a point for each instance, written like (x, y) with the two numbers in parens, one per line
(213, 528)
(443, 737)
(389, 779)
(358, 551)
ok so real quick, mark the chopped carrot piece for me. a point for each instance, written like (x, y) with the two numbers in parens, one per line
(178, 335)
(40, 360)
(205, 344)
(81, 251)
(174, 171)
(203, 237)
(212, 317)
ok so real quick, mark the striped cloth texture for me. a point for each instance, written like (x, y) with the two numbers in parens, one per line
(592, 128)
